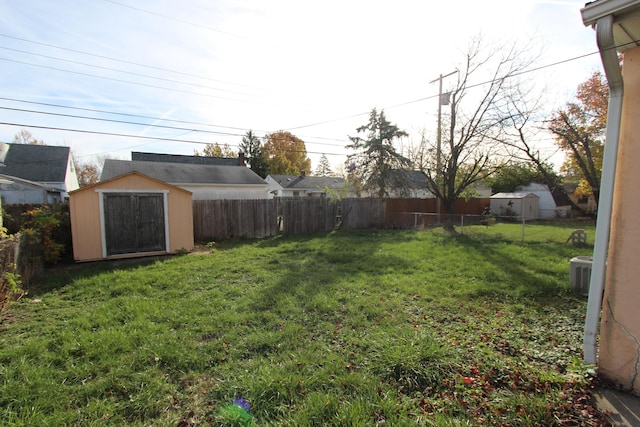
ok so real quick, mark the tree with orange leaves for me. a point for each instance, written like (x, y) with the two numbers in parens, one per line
(286, 154)
(579, 130)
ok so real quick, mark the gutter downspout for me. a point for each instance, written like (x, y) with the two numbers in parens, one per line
(609, 56)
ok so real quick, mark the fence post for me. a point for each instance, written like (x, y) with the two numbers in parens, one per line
(523, 220)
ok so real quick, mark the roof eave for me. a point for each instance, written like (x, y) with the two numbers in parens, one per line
(595, 10)
(625, 15)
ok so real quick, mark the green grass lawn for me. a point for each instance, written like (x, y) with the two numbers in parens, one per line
(346, 328)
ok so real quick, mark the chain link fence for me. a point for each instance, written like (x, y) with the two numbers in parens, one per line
(512, 228)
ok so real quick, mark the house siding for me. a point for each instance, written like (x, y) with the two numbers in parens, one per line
(619, 355)
(21, 194)
(225, 192)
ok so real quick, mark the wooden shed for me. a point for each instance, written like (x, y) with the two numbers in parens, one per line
(130, 215)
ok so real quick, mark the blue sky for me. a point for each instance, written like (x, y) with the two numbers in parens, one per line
(213, 69)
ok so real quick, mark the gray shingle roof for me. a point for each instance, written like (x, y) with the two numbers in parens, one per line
(182, 173)
(412, 178)
(178, 158)
(309, 182)
(38, 163)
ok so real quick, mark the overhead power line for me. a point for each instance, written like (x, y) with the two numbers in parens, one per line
(93, 110)
(138, 64)
(141, 124)
(402, 104)
(148, 124)
(140, 83)
(182, 21)
(129, 72)
(155, 138)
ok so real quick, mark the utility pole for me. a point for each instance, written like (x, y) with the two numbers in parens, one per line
(439, 134)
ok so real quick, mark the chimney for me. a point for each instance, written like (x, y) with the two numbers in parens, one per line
(241, 159)
(303, 173)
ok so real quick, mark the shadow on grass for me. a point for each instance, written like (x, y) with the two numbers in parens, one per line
(310, 266)
(57, 277)
(537, 280)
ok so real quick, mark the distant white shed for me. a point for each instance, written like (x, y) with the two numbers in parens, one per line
(548, 207)
(520, 205)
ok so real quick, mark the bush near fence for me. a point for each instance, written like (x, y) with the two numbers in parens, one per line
(20, 255)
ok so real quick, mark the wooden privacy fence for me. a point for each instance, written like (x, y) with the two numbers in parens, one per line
(225, 219)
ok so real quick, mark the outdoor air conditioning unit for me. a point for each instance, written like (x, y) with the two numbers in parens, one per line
(580, 274)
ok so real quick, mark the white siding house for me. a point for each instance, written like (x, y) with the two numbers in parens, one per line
(49, 166)
(307, 186)
(17, 191)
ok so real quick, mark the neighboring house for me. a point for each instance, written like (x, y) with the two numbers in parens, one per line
(50, 166)
(480, 190)
(519, 205)
(17, 191)
(205, 182)
(193, 160)
(612, 326)
(307, 186)
(403, 184)
(409, 184)
(547, 201)
(130, 215)
(586, 203)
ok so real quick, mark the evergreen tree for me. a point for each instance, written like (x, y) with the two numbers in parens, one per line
(254, 154)
(324, 168)
(376, 158)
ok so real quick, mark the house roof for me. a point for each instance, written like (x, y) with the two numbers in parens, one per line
(182, 173)
(178, 158)
(309, 182)
(516, 195)
(415, 179)
(38, 163)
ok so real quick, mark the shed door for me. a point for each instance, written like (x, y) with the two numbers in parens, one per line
(134, 223)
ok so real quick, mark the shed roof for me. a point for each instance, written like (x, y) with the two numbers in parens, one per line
(38, 163)
(516, 195)
(181, 173)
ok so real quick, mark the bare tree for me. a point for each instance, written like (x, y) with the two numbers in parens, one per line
(523, 126)
(25, 137)
(475, 122)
